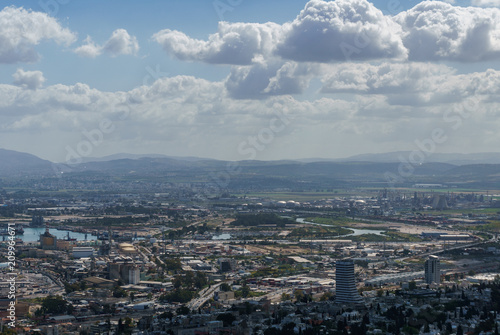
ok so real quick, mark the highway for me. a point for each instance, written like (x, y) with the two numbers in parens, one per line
(205, 295)
(276, 295)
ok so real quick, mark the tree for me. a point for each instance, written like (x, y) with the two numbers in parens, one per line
(449, 328)
(340, 325)
(118, 292)
(227, 319)
(412, 285)
(55, 305)
(224, 287)
(326, 296)
(245, 291)
(183, 310)
(288, 328)
(120, 328)
(173, 264)
(178, 295)
(125, 326)
(285, 296)
(107, 309)
(177, 282)
(200, 280)
(299, 295)
(186, 280)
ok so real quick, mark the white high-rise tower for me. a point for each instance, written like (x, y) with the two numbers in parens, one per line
(432, 270)
(345, 286)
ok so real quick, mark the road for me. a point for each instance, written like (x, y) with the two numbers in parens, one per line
(146, 258)
(276, 295)
(205, 295)
(455, 246)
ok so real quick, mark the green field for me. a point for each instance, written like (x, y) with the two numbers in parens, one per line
(319, 232)
(340, 221)
(390, 236)
(302, 196)
(362, 191)
(491, 226)
(460, 211)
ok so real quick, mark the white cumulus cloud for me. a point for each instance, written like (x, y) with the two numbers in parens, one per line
(21, 30)
(185, 115)
(234, 43)
(485, 3)
(341, 30)
(120, 43)
(435, 30)
(267, 79)
(90, 49)
(386, 78)
(412, 84)
(28, 79)
(324, 31)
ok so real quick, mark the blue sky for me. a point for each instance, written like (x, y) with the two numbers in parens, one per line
(241, 79)
(98, 19)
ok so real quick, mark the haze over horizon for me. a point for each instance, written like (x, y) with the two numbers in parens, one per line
(238, 80)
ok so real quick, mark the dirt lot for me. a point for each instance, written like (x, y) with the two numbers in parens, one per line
(402, 227)
(267, 249)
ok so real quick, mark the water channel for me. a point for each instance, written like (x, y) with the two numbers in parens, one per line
(355, 231)
(33, 235)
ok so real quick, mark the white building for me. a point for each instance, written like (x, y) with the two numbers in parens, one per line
(345, 289)
(134, 275)
(83, 252)
(432, 270)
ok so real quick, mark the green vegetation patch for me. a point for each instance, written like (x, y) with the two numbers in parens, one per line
(252, 220)
(390, 236)
(297, 196)
(491, 226)
(333, 221)
(319, 232)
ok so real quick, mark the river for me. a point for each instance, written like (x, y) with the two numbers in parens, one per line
(33, 235)
(355, 232)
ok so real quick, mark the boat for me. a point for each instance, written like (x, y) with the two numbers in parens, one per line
(19, 230)
(70, 238)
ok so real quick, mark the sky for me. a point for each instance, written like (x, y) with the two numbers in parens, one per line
(249, 79)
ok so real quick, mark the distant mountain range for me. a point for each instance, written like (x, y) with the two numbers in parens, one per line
(136, 156)
(455, 159)
(482, 169)
(13, 162)
(388, 157)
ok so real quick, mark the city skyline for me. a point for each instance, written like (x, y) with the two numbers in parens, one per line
(237, 80)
